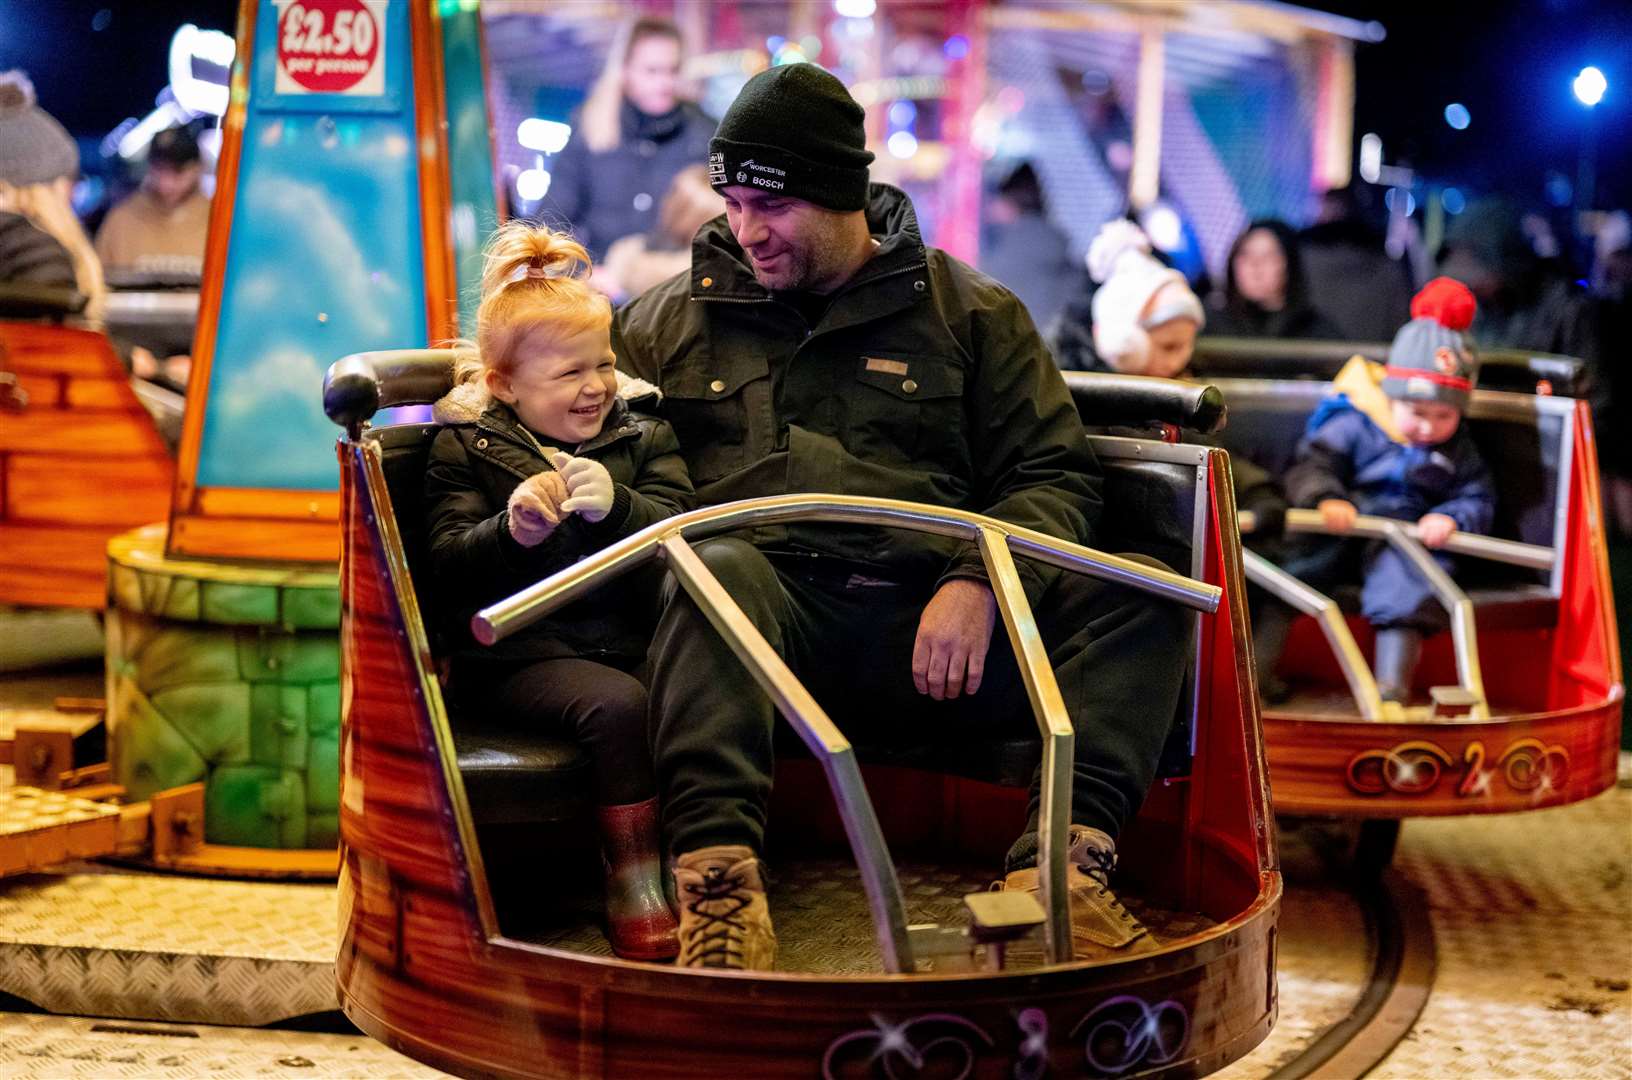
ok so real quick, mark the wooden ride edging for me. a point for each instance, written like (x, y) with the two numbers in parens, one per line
(1361, 768)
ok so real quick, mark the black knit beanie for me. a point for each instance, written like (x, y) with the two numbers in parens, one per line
(794, 130)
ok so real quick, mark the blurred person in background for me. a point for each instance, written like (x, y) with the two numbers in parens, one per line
(162, 226)
(636, 263)
(1141, 320)
(1265, 292)
(1612, 284)
(41, 240)
(1527, 300)
(1363, 293)
(1026, 251)
(631, 136)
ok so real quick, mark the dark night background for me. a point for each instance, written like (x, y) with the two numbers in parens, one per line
(1509, 62)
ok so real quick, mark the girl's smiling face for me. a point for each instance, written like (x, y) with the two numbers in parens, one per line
(562, 386)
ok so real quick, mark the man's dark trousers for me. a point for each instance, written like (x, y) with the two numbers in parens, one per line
(1119, 658)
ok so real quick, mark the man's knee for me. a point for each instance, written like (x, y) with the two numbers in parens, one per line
(736, 564)
(1077, 600)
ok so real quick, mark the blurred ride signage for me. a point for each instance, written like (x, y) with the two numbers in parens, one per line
(331, 47)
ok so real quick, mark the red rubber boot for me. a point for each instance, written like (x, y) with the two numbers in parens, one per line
(638, 920)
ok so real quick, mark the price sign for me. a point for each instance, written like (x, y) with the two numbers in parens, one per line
(331, 47)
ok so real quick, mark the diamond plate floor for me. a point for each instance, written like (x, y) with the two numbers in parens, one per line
(161, 947)
(52, 1047)
(823, 925)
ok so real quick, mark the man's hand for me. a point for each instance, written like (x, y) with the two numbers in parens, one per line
(589, 486)
(949, 654)
(1434, 529)
(535, 508)
(1337, 514)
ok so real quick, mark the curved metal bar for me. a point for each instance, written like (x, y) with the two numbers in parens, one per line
(1059, 741)
(499, 620)
(670, 541)
(1457, 605)
(819, 733)
(1356, 672)
(1402, 537)
(1370, 527)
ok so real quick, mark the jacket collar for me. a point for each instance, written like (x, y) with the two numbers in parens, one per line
(499, 419)
(716, 255)
(640, 125)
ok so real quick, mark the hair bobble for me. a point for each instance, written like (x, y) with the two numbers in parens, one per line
(524, 273)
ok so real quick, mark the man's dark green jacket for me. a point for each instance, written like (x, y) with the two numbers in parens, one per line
(924, 380)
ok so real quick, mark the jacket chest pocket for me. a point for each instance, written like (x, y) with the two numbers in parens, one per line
(718, 413)
(908, 410)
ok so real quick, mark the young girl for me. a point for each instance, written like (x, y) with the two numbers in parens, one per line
(542, 461)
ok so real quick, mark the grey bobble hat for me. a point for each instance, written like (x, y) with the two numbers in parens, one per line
(794, 130)
(1430, 359)
(34, 148)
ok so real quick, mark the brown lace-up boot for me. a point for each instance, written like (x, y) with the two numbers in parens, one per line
(638, 920)
(1101, 928)
(724, 919)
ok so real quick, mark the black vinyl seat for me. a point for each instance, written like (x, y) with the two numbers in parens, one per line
(511, 777)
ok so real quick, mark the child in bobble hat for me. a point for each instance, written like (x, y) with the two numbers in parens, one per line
(1391, 443)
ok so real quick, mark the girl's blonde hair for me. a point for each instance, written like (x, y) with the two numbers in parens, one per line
(47, 210)
(600, 119)
(532, 278)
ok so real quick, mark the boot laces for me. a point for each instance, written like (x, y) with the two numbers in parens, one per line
(1098, 868)
(719, 900)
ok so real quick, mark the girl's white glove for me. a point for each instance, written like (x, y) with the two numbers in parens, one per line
(589, 486)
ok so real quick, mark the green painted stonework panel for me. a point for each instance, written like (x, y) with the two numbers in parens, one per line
(239, 605)
(229, 675)
(323, 708)
(258, 807)
(303, 657)
(147, 752)
(212, 717)
(323, 773)
(322, 830)
(311, 609)
(167, 654)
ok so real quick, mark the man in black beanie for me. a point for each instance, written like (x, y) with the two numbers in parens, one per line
(817, 345)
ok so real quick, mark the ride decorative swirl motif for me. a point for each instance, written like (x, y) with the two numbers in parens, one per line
(1119, 1035)
(1527, 766)
(1127, 1032)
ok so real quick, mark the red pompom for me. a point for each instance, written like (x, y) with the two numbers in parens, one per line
(1446, 301)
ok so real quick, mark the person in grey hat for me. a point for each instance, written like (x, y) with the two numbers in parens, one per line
(1407, 458)
(38, 163)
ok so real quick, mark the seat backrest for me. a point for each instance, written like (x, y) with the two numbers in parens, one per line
(1157, 505)
(1524, 439)
(1518, 370)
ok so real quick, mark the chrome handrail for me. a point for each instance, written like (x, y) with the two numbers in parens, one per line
(1371, 527)
(998, 543)
(1402, 536)
(1356, 672)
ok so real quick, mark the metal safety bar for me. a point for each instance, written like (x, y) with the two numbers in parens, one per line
(998, 542)
(1402, 536)
(1356, 672)
(1370, 527)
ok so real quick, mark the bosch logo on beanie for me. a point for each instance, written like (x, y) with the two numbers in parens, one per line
(797, 131)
